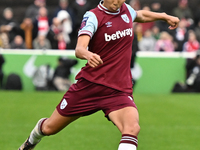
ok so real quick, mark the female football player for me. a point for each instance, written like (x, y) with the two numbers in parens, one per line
(105, 41)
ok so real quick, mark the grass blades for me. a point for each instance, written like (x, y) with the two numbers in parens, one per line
(168, 122)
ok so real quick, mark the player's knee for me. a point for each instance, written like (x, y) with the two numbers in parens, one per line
(48, 130)
(136, 128)
(133, 129)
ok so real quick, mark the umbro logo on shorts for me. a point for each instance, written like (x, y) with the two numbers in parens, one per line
(63, 104)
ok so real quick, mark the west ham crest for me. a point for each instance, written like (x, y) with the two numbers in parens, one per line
(125, 18)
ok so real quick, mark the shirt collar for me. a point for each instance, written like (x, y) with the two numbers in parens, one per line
(103, 8)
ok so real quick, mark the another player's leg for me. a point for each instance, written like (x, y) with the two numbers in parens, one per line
(127, 121)
(46, 126)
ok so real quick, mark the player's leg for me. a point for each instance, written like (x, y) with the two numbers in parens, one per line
(56, 123)
(47, 126)
(127, 121)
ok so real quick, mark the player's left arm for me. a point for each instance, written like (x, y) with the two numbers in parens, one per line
(149, 16)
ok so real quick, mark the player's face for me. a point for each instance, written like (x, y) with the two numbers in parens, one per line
(113, 5)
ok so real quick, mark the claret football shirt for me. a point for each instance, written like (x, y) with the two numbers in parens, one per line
(111, 38)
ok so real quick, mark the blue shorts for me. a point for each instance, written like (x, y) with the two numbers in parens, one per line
(84, 98)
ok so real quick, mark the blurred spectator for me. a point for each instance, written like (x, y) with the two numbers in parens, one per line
(27, 27)
(138, 31)
(42, 78)
(62, 73)
(156, 7)
(147, 25)
(196, 14)
(18, 43)
(162, 25)
(180, 35)
(8, 25)
(79, 8)
(165, 43)
(2, 61)
(66, 24)
(193, 73)
(61, 42)
(148, 42)
(197, 30)
(1, 42)
(32, 10)
(41, 42)
(94, 3)
(156, 32)
(30, 22)
(54, 30)
(41, 24)
(182, 11)
(135, 4)
(4, 40)
(192, 44)
(56, 36)
(64, 5)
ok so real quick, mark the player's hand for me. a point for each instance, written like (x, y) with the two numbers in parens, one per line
(173, 22)
(94, 60)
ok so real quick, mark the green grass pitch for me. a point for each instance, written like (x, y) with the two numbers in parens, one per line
(168, 122)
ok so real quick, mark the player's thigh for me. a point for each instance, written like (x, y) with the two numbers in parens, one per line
(126, 119)
(57, 122)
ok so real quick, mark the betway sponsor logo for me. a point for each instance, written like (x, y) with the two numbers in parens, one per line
(119, 34)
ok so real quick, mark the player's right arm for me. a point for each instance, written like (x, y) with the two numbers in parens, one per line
(88, 28)
(82, 52)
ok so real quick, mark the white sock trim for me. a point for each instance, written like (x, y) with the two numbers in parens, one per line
(127, 146)
(36, 134)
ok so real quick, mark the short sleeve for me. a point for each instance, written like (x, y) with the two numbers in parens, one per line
(89, 24)
(132, 12)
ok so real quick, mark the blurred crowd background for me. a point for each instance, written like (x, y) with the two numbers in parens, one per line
(40, 24)
(54, 24)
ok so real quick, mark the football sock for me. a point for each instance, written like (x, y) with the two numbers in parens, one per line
(36, 134)
(128, 142)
